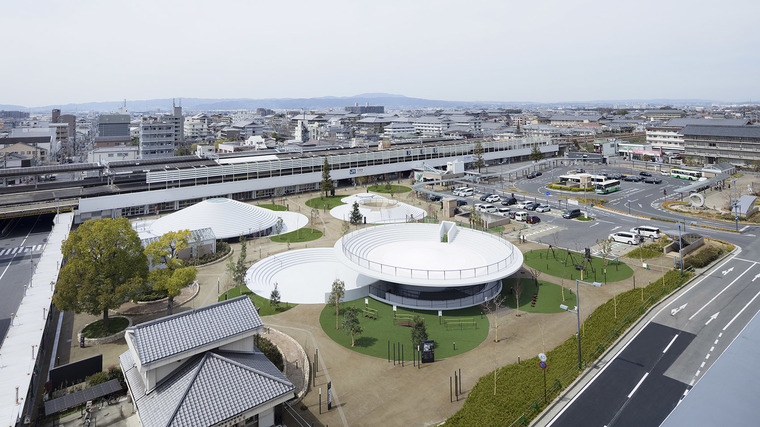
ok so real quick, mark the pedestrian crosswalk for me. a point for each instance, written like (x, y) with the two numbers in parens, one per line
(20, 250)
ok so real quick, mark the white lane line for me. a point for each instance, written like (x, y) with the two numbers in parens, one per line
(698, 372)
(716, 342)
(712, 349)
(702, 365)
(637, 385)
(723, 290)
(691, 383)
(707, 357)
(720, 335)
(616, 228)
(594, 224)
(669, 344)
(741, 311)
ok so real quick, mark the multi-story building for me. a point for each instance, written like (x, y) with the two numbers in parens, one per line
(195, 129)
(157, 137)
(431, 125)
(738, 145)
(662, 114)
(113, 130)
(366, 109)
(667, 136)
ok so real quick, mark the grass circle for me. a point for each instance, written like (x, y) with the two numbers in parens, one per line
(379, 333)
(273, 207)
(561, 263)
(389, 189)
(297, 236)
(549, 296)
(328, 202)
(96, 330)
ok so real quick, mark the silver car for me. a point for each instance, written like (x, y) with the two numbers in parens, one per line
(543, 208)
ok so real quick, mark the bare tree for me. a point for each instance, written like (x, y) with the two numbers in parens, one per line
(536, 274)
(555, 239)
(517, 289)
(492, 307)
(605, 250)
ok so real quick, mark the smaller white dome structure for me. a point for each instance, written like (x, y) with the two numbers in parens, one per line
(378, 209)
(227, 218)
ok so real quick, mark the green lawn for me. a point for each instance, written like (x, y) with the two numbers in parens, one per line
(265, 310)
(562, 265)
(96, 330)
(300, 235)
(272, 207)
(392, 189)
(328, 202)
(583, 218)
(548, 300)
(377, 333)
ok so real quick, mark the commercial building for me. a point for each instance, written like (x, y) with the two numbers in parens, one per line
(366, 109)
(668, 136)
(738, 145)
(113, 130)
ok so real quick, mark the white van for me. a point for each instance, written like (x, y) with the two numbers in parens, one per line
(647, 231)
(489, 209)
(467, 192)
(458, 190)
(521, 216)
(504, 211)
(625, 237)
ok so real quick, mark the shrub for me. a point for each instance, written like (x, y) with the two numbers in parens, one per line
(271, 352)
(222, 249)
(703, 257)
(97, 378)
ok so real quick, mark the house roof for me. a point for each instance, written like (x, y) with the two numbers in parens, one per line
(683, 121)
(173, 335)
(207, 389)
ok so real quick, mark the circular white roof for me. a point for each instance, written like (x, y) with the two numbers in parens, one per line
(227, 218)
(377, 209)
(415, 254)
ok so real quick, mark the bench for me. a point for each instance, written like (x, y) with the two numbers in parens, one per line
(370, 312)
(461, 322)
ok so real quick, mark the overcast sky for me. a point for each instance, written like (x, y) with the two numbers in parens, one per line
(59, 52)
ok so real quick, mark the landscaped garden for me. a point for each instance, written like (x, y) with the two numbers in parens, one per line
(300, 235)
(562, 263)
(96, 329)
(327, 202)
(467, 328)
(273, 207)
(261, 303)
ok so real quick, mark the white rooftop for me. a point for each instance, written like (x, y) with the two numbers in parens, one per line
(377, 209)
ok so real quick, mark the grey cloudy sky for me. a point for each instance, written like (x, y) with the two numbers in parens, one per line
(541, 50)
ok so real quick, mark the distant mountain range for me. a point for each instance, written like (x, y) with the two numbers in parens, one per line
(391, 102)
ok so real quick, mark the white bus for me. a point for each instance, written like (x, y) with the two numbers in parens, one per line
(686, 174)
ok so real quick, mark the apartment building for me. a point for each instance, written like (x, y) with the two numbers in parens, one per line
(113, 130)
(157, 137)
(667, 136)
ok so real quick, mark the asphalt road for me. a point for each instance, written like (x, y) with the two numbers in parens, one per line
(18, 251)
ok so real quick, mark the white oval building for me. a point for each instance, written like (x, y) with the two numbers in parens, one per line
(227, 218)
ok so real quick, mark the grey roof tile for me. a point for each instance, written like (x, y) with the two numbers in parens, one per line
(172, 335)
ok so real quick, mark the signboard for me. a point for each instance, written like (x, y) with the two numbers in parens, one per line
(542, 365)
(572, 202)
(352, 171)
(542, 357)
(547, 193)
(329, 395)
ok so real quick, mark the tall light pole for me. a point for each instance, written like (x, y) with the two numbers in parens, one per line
(680, 247)
(735, 206)
(577, 312)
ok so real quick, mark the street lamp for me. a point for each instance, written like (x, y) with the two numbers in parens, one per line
(680, 247)
(735, 205)
(577, 312)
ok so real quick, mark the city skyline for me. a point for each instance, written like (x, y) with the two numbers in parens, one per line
(553, 51)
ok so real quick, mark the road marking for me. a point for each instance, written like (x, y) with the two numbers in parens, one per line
(727, 271)
(707, 357)
(720, 334)
(712, 349)
(718, 294)
(747, 260)
(669, 344)
(691, 383)
(620, 227)
(594, 224)
(752, 235)
(716, 342)
(741, 311)
(744, 228)
(698, 372)
(637, 385)
(702, 365)
(675, 311)
(713, 317)
(640, 207)
(756, 276)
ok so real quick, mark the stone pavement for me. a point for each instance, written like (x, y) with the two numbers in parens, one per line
(367, 390)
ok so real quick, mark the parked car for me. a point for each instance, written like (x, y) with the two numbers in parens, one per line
(521, 216)
(484, 197)
(663, 172)
(504, 211)
(523, 204)
(616, 176)
(579, 170)
(493, 198)
(508, 201)
(512, 214)
(537, 173)
(543, 208)
(643, 173)
(532, 219)
(461, 202)
(532, 206)
(647, 231)
(626, 237)
(571, 213)
(435, 198)
(653, 181)
(531, 175)
(628, 178)
(637, 178)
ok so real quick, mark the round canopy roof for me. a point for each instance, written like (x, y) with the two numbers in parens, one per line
(227, 218)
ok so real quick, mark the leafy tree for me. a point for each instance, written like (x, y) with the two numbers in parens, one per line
(477, 156)
(104, 264)
(279, 225)
(356, 216)
(351, 323)
(327, 184)
(536, 154)
(419, 330)
(621, 112)
(169, 273)
(336, 296)
(274, 297)
(237, 268)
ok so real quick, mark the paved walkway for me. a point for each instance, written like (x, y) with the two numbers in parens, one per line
(367, 390)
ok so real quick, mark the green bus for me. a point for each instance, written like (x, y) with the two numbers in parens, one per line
(608, 186)
(686, 174)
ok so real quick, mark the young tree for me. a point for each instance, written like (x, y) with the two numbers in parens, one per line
(279, 225)
(536, 154)
(356, 216)
(169, 273)
(351, 323)
(327, 184)
(237, 268)
(274, 297)
(419, 331)
(517, 289)
(492, 307)
(477, 156)
(336, 296)
(104, 263)
(605, 250)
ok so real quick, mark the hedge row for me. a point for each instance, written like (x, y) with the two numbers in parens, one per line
(519, 387)
(566, 188)
(703, 257)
